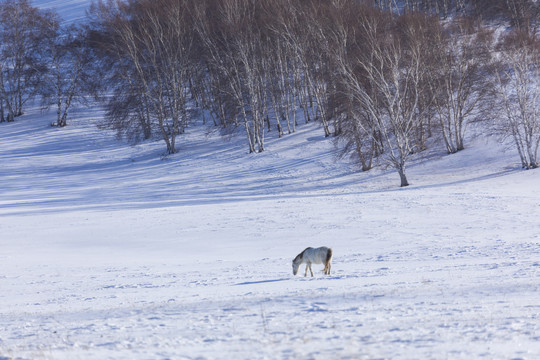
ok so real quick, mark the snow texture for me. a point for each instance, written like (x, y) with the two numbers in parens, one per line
(111, 251)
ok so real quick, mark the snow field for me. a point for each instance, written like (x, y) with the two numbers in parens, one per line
(111, 252)
(114, 251)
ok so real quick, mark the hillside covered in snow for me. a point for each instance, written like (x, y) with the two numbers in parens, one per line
(113, 250)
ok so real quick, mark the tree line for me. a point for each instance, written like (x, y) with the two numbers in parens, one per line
(386, 78)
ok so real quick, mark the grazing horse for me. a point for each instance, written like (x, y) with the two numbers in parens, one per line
(322, 255)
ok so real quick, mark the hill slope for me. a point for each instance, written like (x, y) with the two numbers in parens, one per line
(109, 250)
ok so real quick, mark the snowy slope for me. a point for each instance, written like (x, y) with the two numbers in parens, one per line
(109, 250)
(69, 10)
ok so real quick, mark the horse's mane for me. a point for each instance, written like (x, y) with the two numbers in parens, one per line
(301, 255)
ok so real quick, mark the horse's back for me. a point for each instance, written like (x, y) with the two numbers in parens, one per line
(318, 255)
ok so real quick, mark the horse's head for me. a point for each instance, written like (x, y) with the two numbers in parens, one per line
(296, 264)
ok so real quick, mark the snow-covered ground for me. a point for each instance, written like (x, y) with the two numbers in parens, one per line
(113, 251)
(109, 250)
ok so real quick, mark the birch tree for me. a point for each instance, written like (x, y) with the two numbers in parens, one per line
(70, 77)
(148, 44)
(23, 30)
(383, 75)
(518, 85)
(458, 78)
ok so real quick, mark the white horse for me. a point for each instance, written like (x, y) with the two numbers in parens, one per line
(322, 255)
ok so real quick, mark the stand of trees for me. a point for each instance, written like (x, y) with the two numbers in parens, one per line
(382, 76)
(23, 34)
(39, 56)
(518, 93)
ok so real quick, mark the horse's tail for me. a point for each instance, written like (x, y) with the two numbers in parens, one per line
(328, 255)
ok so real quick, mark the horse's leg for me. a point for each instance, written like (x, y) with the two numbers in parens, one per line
(326, 269)
(307, 266)
(310, 270)
(329, 266)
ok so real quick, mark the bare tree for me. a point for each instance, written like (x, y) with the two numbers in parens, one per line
(282, 68)
(302, 30)
(314, 52)
(23, 30)
(382, 69)
(247, 41)
(70, 77)
(457, 78)
(288, 28)
(227, 55)
(518, 81)
(150, 43)
(524, 14)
